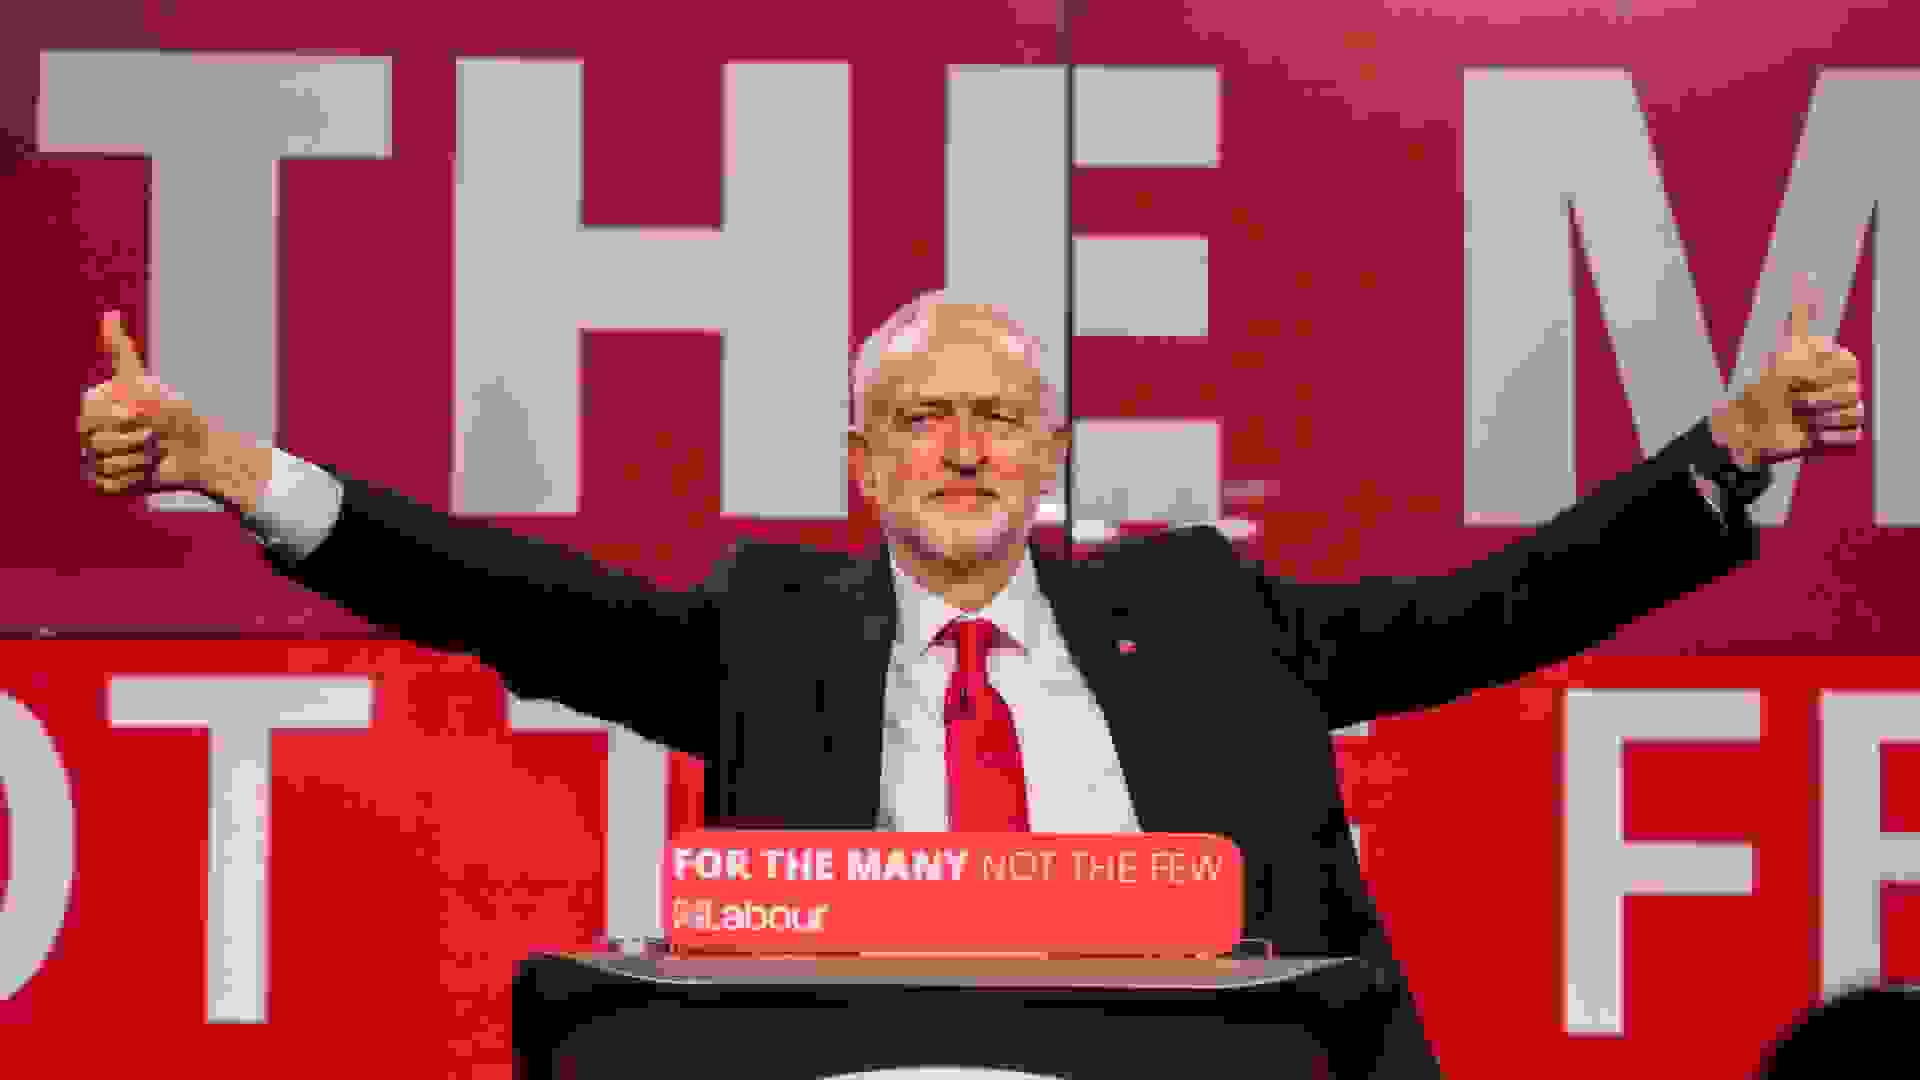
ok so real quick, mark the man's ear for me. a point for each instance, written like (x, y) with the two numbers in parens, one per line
(1059, 444)
(858, 451)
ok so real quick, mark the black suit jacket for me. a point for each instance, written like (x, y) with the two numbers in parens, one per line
(1221, 714)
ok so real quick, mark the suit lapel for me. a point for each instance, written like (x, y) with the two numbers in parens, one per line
(1085, 621)
(1093, 618)
(854, 684)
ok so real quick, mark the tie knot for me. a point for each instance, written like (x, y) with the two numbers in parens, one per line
(973, 637)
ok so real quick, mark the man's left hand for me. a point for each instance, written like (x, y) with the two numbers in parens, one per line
(1808, 398)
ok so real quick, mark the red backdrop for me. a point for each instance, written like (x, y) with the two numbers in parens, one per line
(1337, 303)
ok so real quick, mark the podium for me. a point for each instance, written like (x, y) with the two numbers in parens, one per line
(656, 1014)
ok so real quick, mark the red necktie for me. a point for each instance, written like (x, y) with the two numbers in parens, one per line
(986, 787)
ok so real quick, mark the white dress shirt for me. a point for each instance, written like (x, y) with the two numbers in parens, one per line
(1074, 783)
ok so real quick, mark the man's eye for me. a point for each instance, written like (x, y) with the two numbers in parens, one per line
(921, 419)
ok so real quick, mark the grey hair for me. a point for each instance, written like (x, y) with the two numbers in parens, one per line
(911, 329)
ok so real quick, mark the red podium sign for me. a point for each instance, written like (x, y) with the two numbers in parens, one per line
(849, 892)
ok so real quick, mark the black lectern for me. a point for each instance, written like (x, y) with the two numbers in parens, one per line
(653, 1013)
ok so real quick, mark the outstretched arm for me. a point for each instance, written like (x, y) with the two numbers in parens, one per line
(553, 623)
(1640, 541)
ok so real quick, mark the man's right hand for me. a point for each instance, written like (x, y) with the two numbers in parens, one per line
(145, 437)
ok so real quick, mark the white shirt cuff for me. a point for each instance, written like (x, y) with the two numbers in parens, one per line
(1708, 491)
(301, 505)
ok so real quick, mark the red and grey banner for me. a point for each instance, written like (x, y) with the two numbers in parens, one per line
(1529, 240)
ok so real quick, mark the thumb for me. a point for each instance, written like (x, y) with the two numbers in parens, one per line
(1808, 299)
(127, 367)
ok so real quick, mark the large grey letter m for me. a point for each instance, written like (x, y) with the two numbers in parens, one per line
(1540, 142)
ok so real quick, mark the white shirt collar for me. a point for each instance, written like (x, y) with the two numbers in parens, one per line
(1017, 609)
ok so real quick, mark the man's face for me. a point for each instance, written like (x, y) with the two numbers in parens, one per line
(956, 452)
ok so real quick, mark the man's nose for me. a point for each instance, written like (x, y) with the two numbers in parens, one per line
(966, 445)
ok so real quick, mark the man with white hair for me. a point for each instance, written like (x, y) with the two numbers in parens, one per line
(960, 679)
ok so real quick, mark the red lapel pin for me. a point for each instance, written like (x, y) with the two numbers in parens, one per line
(1127, 647)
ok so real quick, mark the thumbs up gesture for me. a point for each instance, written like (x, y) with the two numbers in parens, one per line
(1807, 400)
(140, 434)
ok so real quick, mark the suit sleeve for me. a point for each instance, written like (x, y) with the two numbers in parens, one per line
(554, 624)
(1636, 543)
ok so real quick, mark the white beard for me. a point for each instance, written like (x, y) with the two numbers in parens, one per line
(987, 541)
